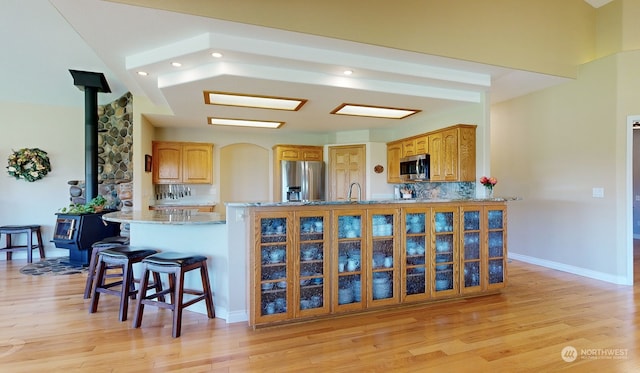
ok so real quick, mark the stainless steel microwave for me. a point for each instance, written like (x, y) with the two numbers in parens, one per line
(415, 168)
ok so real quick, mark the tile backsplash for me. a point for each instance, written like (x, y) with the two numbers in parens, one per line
(442, 190)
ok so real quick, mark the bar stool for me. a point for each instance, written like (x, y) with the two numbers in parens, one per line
(175, 265)
(29, 230)
(97, 247)
(124, 257)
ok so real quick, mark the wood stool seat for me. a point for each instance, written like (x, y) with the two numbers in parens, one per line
(175, 265)
(124, 257)
(28, 230)
(107, 243)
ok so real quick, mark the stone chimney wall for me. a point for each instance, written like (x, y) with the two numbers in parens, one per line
(115, 157)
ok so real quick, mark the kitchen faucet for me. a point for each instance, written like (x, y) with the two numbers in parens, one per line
(351, 189)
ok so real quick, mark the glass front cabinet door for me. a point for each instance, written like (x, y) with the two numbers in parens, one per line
(272, 269)
(416, 272)
(349, 232)
(473, 268)
(382, 257)
(311, 284)
(444, 251)
(496, 223)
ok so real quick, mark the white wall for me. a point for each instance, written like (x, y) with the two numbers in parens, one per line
(143, 133)
(244, 174)
(60, 132)
(552, 148)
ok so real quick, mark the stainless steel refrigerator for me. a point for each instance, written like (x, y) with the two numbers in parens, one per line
(302, 181)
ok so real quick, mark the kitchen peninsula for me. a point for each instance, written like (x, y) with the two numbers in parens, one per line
(320, 259)
(188, 231)
(272, 263)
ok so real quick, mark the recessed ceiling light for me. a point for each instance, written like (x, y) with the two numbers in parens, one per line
(348, 72)
(373, 111)
(261, 102)
(142, 73)
(176, 64)
(216, 54)
(244, 123)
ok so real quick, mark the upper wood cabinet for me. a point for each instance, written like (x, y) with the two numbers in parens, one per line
(409, 147)
(394, 153)
(182, 163)
(297, 153)
(452, 153)
(415, 146)
(291, 153)
(422, 145)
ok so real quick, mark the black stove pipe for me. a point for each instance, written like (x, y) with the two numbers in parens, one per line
(90, 143)
(91, 83)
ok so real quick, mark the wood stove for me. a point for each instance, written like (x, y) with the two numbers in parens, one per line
(77, 232)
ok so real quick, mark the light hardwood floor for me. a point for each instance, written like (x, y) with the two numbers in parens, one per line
(45, 326)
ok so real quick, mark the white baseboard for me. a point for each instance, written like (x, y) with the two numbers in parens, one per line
(237, 316)
(48, 252)
(619, 280)
(221, 313)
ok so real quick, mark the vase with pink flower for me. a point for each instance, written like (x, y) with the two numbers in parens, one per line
(489, 183)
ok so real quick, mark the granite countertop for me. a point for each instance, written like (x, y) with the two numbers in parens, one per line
(369, 202)
(165, 217)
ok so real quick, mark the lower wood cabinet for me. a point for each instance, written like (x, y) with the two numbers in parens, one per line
(416, 256)
(348, 260)
(311, 257)
(316, 261)
(444, 250)
(483, 248)
(383, 264)
(271, 295)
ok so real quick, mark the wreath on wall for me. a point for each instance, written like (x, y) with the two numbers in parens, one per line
(29, 164)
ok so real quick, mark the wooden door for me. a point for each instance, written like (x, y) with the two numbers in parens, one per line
(346, 165)
(167, 163)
